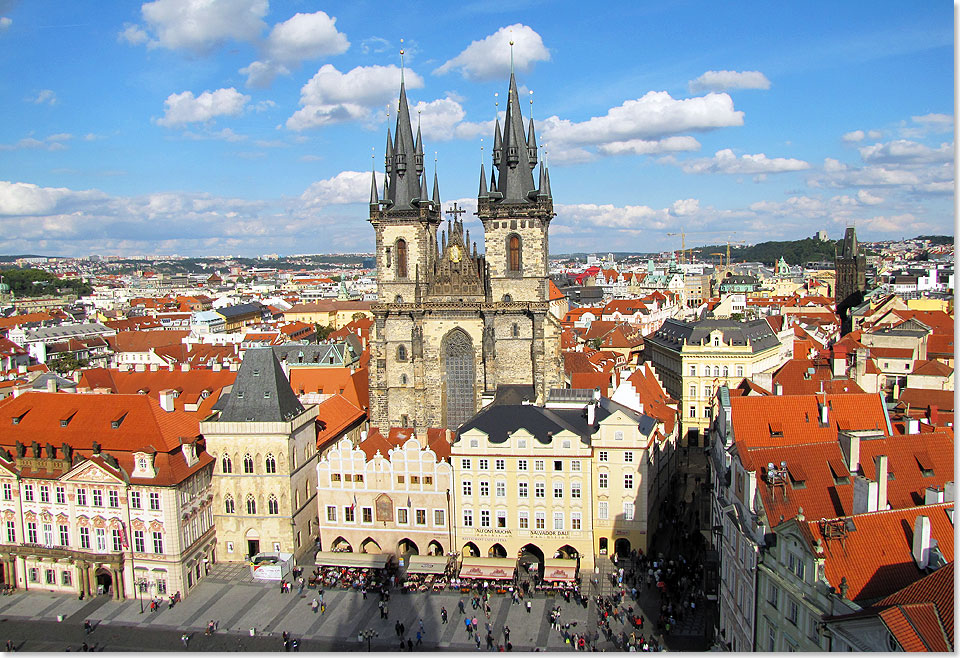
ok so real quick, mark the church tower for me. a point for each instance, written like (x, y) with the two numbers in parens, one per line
(452, 327)
(851, 279)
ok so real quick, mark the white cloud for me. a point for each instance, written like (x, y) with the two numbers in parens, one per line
(650, 147)
(442, 119)
(725, 162)
(926, 124)
(333, 97)
(345, 187)
(5, 22)
(654, 116)
(44, 96)
(30, 199)
(133, 34)
(226, 135)
(489, 58)
(685, 207)
(50, 143)
(185, 108)
(374, 45)
(728, 80)
(301, 37)
(854, 136)
(902, 151)
(866, 198)
(199, 25)
(610, 216)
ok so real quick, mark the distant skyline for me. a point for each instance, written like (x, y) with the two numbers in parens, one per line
(246, 127)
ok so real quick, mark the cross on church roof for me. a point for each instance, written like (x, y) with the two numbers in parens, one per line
(455, 211)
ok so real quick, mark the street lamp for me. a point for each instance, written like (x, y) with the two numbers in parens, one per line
(367, 635)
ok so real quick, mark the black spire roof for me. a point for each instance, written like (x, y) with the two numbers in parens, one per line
(261, 391)
(404, 160)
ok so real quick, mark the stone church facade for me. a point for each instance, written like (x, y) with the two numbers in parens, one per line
(451, 325)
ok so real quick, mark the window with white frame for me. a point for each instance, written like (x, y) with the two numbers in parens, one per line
(793, 612)
(484, 464)
(64, 534)
(84, 537)
(61, 495)
(11, 532)
(349, 515)
(465, 463)
(154, 501)
(575, 520)
(115, 536)
(539, 490)
(558, 489)
(538, 465)
(7, 491)
(603, 456)
(693, 371)
(484, 518)
(603, 511)
(575, 465)
(575, 490)
(501, 489)
(366, 515)
(101, 536)
(403, 515)
(628, 480)
(618, 435)
(558, 520)
(28, 493)
(467, 488)
(332, 513)
(420, 516)
(739, 371)
(522, 489)
(113, 499)
(157, 542)
(501, 464)
(603, 480)
(693, 390)
(692, 412)
(523, 520)
(484, 488)
(467, 518)
(540, 520)
(139, 545)
(521, 464)
(439, 518)
(628, 511)
(501, 518)
(628, 456)
(32, 532)
(44, 493)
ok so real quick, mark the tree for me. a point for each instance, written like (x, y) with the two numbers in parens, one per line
(66, 363)
(323, 331)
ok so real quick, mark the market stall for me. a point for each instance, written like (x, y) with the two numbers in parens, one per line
(499, 572)
(559, 576)
(350, 570)
(426, 572)
(271, 566)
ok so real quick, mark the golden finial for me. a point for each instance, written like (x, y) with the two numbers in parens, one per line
(401, 61)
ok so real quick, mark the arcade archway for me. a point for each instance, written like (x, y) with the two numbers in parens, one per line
(470, 550)
(497, 550)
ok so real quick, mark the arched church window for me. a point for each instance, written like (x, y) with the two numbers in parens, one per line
(403, 380)
(247, 464)
(398, 299)
(251, 505)
(228, 505)
(271, 464)
(515, 330)
(273, 507)
(513, 251)
(226, 466)
(401, 353)
(401, 259)
(507, 298)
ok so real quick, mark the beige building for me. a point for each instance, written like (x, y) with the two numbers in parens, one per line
(695, 358)
(265, 445)
(119, 506)
(335, 313)
(389, 494)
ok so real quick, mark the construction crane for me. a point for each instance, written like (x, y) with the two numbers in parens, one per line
(730, 242)
(720, 254)
(683, 241)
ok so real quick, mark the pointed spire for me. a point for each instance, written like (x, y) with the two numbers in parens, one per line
(532, 145)
(516, 162)
(436, 189)
(424, 197)
(493, 180)
(497, 144)
(374, 199)
(544, 190)
(388, 159)
(418, 147)
(404, 185)
(483, 183)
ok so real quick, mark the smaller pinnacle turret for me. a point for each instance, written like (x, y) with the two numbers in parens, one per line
(483, 183)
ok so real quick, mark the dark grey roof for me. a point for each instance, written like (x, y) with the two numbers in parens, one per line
(240, 309)
(261, 392)
(513, 394)
(328, 354)
(40, 383)
(673, 332)
(850, 249)
(497, 422)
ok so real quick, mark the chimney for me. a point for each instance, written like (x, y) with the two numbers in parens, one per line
(881, 465)
(824, 413)
(932, 496)
(51, 385)
(921, 541)
(591, 413)
(839, 361)
(864, 495)
(913, 426)
(934, 415)
(153, 367)
(216, 367)
(850, 445)
(166, 399)
(861, 363)
(184, 367)
(778, 389)
(189, 450)
(948, 492)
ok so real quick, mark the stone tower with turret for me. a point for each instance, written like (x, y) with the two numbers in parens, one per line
(451, 325)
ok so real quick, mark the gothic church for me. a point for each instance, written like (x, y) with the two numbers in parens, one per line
(452, 326)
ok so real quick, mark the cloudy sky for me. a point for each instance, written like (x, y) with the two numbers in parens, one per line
(246, 127)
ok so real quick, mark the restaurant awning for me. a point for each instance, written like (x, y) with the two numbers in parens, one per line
(427, 564)
(558, 569)
(489, 568)
(353, 560)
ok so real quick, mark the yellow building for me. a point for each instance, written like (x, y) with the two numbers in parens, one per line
(696, 358)
(334, 313)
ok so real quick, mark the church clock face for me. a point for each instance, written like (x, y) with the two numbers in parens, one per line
(455, 254)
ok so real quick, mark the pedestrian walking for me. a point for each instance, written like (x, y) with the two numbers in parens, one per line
(386, 611)
(396, 627)
(409, 644)
(476, 624)
(185, 639)
(403, 629)
(419, 638)
(528, 607)
(421, 625)
(314, 605)
(443, 615)
(462, 610)
(87, 626)
(506, 633)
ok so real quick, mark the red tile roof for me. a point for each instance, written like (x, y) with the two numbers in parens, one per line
(937, 590)
(335, 415)
(354, 386)
(808, 376)
(26, 318)
(437, 440)
(656, 402)
(876, 558)
(923, 398)
(916, 627)
(554, 292)
(144, 341)
(932, 369)
(191, 384)
(800, 416)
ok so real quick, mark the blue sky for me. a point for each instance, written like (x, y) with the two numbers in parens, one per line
(246, 127)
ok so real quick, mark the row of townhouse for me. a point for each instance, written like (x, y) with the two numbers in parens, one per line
(807, 488)
(578, 478)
